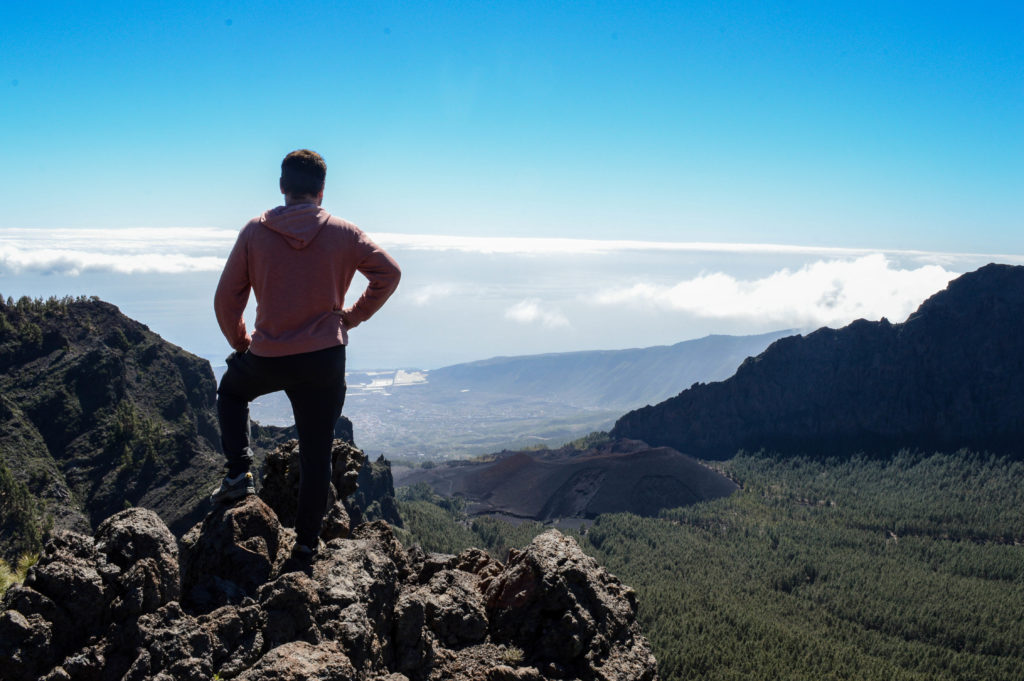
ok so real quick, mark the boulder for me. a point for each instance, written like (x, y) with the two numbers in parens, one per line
(231, 554)
(138, 542)
(555, 602)
(301, 661)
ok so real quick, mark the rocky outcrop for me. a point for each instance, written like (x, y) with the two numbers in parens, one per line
(374, 498)
(281, 484)
(81, 587)
(950, 377)
(111, 606)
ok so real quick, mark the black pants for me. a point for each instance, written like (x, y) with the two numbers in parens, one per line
(315, 384)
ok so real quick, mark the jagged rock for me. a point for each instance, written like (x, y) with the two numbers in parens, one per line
(69, 574)
(337, 524)
(280, 488)
(290, 604)
(447, 611)
(233, 553)
(358, 582)
(138, 542)
(26, 644)
(556, 602)
(374, 498)
(441, 608)
(98, 609)
(300, 661)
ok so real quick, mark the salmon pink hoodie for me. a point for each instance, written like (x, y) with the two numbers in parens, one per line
(299, 260)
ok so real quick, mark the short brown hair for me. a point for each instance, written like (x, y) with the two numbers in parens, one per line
(303, 173)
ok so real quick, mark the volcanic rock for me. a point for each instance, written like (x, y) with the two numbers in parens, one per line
(100, 608)
(281, 484)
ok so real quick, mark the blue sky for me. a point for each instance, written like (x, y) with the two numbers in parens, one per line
(876, 126)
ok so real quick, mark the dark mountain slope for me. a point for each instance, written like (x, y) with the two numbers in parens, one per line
(99, 413)
(951, 376)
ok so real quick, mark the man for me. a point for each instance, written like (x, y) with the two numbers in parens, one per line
(299, 261)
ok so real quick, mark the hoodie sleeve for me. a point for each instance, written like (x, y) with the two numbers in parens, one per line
(383, 274)
(233, 294)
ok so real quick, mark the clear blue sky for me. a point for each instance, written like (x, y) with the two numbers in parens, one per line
(890, 125)
(881, 142)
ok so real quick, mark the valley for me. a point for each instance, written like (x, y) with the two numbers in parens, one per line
(518, 402)
(904, 568)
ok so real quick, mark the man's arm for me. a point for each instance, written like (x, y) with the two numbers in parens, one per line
(233, 294)
(383, 274)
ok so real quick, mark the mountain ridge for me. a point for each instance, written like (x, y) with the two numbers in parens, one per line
(517, 402)
(607, 378)
(950, 377)
(98, 413)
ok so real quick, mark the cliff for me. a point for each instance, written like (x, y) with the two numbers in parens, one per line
(950, 377)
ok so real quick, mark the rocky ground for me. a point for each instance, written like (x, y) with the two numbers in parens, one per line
(131, 603)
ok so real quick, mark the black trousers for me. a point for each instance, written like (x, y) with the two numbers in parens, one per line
(315, 385)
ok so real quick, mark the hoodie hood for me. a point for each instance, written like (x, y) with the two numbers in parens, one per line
(298, 224)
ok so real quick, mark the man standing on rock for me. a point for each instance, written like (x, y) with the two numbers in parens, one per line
(299, 260)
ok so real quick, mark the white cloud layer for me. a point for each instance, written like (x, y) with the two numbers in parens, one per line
(138, 250)
(535, 311)
(823, 293)
(466, 298)
(203, 249)
(551, 246)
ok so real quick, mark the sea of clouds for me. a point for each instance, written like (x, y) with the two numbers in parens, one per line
(464, 298)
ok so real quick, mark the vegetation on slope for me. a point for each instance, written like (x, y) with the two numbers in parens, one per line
(96, 413)
(9, 576)
(904, 568)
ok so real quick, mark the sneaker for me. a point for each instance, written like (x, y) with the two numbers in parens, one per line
(300, 560)
(234, 488)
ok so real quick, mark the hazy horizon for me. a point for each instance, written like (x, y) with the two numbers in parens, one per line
(465, 299)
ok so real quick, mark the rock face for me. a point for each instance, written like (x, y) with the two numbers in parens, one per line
(112, 607)
(950, 377)
(374, 498)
